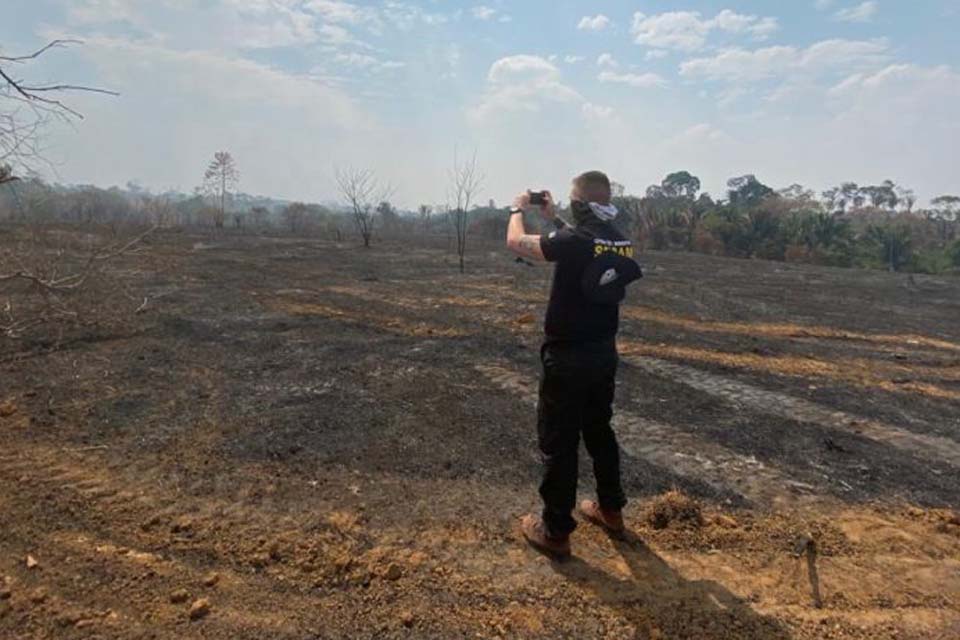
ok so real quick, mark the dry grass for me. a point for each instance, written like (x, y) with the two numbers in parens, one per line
(861, 373)
(784, 330)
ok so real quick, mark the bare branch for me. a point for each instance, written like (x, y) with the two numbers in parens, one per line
(41, 51)
(51, 283)
(69, 87)
(55, 293)
(32, 105)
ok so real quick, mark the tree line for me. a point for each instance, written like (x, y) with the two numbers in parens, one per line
(871, 226)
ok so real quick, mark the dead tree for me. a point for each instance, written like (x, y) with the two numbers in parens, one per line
(27, 107)
(362, 192)
(465, 180)
(219, 180)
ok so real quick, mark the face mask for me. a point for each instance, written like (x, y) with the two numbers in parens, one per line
(583, 211)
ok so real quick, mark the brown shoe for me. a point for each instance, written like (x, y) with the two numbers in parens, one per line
(612, 521)
(536, 534)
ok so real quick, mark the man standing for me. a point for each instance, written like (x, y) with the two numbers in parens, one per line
(594, 263)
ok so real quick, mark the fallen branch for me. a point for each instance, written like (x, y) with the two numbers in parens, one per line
(75, 280)
(51, 301)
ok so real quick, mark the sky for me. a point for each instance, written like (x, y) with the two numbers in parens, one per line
(809, 91)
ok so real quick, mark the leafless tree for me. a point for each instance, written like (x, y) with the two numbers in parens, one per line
(219, 180)
(362, 192)
(27, 107)
(465, 181)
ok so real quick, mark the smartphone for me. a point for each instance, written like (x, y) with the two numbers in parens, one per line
(538, 198)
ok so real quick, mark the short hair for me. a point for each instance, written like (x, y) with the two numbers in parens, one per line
(593, 186)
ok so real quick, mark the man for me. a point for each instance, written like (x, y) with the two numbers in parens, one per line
(579, 357)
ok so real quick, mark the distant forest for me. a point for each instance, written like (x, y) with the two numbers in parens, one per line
(874, 226)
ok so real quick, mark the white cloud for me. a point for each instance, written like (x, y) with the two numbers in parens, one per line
(336, 35)
(733, 22)
(596, 112)
(884, 113)
(405, 16)
(655, 54)
(644, 80)
(337, 11)
(222, 101)
(606, 60)
(598, 22)
(229, 78)
(483, 12)
(688, 30)
(571, 59)
(699, 134)
(741, 65)
(828, 56)
(522, 83)
(675, 30)
(838, 55)
(513, 68)
(366, 61)
(99, 11)
(270, 25)
(863, 12)
(822, 5)
(904, 84)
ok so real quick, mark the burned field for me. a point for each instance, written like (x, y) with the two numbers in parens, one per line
(300, 439)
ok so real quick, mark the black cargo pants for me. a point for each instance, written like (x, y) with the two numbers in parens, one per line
(576, 396)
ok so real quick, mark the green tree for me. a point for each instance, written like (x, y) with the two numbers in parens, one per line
(893, 244)
(746, 191)
(946, 212)
(681, 184)
(882, 196)
(848, 195)
(954, 253)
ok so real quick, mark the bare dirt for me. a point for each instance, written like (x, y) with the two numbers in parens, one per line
(301, 439)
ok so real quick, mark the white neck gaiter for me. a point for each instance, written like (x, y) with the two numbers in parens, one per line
(605, 212)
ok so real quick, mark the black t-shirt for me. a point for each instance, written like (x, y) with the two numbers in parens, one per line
(571, 317)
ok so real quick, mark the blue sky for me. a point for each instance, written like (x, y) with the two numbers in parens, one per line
(810, 91)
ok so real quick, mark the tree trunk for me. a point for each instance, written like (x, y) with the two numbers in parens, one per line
(223, 194)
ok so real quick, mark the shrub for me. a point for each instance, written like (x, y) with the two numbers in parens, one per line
(954, 253)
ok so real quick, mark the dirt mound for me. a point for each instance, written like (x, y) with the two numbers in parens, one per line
(674, 508)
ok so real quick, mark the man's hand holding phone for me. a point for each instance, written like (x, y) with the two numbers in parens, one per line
(541, 199)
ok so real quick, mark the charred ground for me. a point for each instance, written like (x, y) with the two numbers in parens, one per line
(344, 438)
